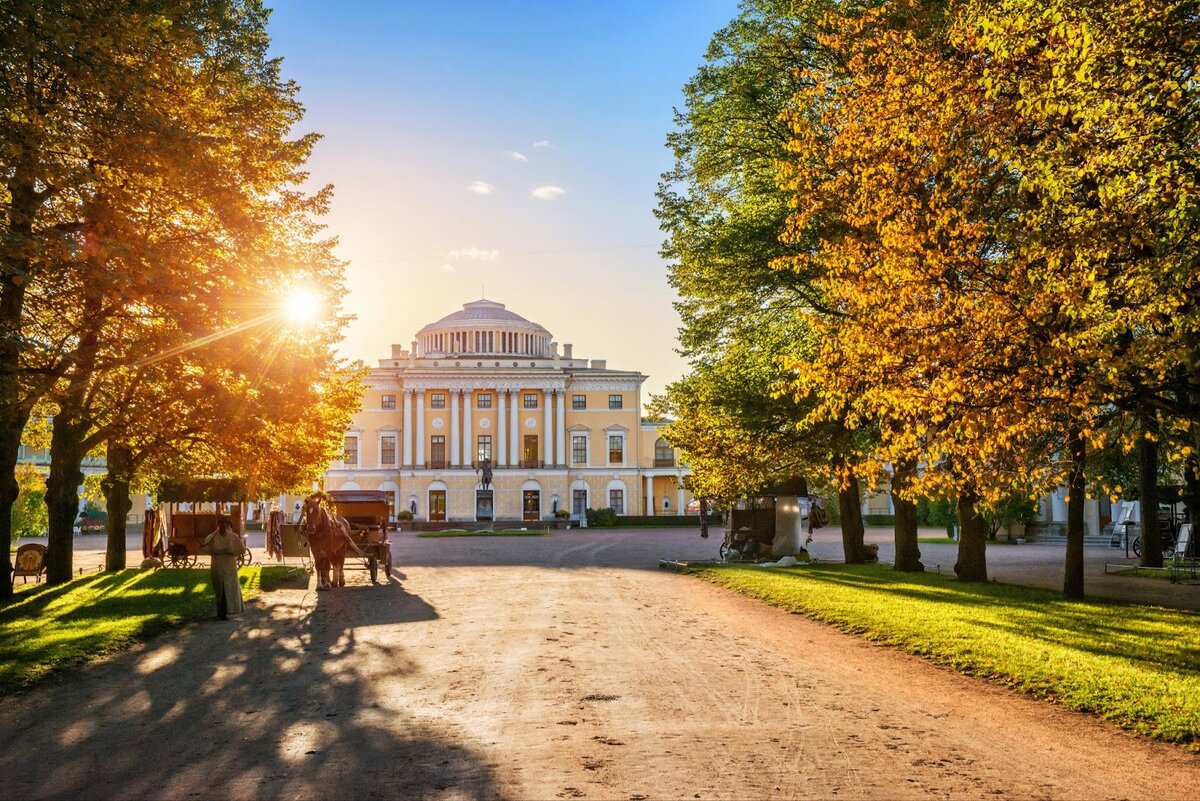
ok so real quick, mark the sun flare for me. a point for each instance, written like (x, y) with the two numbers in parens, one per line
(302, 305)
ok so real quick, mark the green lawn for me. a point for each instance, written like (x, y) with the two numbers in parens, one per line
(47, 629)
(1137, 666)
(504, 532)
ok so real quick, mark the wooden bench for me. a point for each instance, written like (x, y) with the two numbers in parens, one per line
(30, 561)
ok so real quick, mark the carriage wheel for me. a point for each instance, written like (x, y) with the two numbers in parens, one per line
(177, 556)
(1137, 546)
(724, 551)
(387, 562)
(373, 566)
(245, 558)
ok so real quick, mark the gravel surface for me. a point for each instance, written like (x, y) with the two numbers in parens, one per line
(541, 668)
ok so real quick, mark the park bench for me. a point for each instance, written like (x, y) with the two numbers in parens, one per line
(30, 561)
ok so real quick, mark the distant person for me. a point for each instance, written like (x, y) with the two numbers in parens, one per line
(225, 546)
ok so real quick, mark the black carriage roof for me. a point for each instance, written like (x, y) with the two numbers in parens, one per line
(360, 496)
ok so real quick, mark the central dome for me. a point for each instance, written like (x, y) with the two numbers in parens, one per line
(484, 328)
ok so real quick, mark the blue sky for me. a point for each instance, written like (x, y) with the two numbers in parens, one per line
(420, 102)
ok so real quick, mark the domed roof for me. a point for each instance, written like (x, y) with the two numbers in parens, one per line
(484, 314)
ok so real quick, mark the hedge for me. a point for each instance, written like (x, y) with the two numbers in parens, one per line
(607, 518)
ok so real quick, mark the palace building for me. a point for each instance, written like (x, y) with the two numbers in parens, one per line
(485, 386)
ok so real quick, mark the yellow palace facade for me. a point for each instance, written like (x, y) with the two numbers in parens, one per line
(483, 385)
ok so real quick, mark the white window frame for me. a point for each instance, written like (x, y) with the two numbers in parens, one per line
(587, 448)
(608, 448)
(357, 463)
(395, 450)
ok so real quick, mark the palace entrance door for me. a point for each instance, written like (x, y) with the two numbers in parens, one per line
(531, 505)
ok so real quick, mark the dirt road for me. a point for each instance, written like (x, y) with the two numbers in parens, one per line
(562, 667)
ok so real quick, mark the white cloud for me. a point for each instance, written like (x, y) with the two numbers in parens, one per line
(480, 188)
(548, 192)
(474, 253)
(515, 155)
(447, 268)
(542, 143)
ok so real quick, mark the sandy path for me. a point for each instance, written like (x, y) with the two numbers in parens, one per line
(550, 668)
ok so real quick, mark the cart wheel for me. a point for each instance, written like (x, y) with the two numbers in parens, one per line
(373, 566)
(177, 556)
(724, 551)
(387, 563)
(245, 558)
(1137, 546)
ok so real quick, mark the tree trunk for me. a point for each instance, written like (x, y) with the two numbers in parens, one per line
(850, 507)
(8, 496)
(972, 539)
(1073, 576)
(62, 492)
(23, 205)
(703, 517)
(908, 550)
(1148, 491)
(118, 503)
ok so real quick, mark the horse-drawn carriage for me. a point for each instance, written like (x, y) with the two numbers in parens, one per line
(191, 511)
(337, 524)
(368, 513)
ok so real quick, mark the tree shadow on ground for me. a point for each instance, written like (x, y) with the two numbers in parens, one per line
(295, 701)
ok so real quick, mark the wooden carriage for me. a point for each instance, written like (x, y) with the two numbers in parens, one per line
(192, 510)
(368, 513)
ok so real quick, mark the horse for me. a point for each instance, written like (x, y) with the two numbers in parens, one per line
(328, 537)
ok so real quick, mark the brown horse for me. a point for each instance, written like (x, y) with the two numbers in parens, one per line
(327, 537)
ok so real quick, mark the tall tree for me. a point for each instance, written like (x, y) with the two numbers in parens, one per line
(157, 143)
(723, 211)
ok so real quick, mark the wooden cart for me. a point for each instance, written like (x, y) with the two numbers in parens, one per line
(368, 513)
(192, 509)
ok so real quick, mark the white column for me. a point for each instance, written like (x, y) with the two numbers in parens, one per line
(454, 447)
(547, 427)
(408, 430)
(560, 440)
(468, 446)
(420, 461)
(650, 495)
(501, 440)
(679, 501)
(514, 430)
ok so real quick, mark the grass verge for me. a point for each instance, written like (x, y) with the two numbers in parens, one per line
(504, 532)
(44, 630)
(1136, 666)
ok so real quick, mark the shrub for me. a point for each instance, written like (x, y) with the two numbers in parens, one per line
(404, 514)
(601, 518)
(562, 514)
(29, 515)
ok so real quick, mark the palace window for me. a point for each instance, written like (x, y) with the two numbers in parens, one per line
(616, 402)
(531, 400)
(483, 401)
(388, 402)
(437, 400)
(483, 452)
(351, 454)
(578, 450)
(664, 455)
(579, 502)
(437, 452)
(616, 500)
(387, 450)
(579, 401)
(616, 449)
